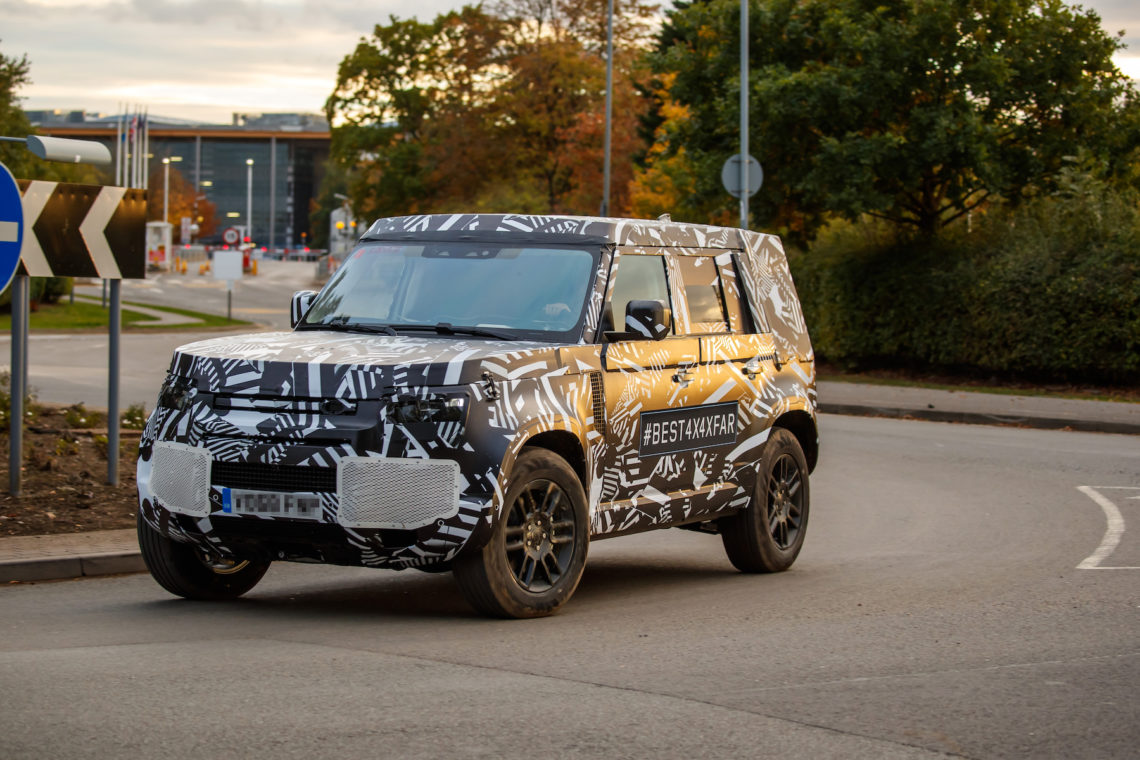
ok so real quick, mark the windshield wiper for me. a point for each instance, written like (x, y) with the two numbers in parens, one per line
(446, 328)
(341, 323)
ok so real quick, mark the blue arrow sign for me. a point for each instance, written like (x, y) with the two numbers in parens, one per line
(11, 226)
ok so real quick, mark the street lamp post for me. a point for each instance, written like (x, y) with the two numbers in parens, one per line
(166, 189)
(166, 162)
(249, 199)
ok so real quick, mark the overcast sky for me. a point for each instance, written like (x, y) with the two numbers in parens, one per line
(206, 59)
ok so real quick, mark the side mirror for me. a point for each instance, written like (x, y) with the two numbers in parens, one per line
(647, 319)
(300, 304)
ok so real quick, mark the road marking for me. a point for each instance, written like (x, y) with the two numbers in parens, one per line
(1112, 534)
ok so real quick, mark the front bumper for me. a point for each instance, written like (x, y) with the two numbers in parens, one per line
(183, 512)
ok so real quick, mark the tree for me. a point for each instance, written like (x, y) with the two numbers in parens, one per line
(490, 111)
(185, 201)
(397, 93)
(915, 111)
(14, 74)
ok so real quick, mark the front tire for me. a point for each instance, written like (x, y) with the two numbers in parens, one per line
(537, 551)
(184, 571)
(768, 535)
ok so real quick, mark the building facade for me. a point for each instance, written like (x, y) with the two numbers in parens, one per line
(289, 152)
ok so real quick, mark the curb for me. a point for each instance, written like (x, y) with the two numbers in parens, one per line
(75, 566)
(975, 418)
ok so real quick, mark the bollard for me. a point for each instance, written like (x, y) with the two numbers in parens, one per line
(253, 267)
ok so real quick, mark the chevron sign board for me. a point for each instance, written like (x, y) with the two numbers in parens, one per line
(73, 230)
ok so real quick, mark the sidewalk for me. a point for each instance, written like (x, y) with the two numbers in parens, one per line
(75, 555)
(978, 408)
(69, 555)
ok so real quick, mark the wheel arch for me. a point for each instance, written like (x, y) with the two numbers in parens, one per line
(565, 444)
(802, 425)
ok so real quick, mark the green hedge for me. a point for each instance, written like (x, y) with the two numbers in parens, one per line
(40, 289)
(1049, 292)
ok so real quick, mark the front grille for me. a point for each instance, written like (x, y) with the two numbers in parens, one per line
(273, 477)
(380, 492)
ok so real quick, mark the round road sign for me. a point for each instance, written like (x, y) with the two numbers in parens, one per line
(730, 175)
(231, 236)
(11, 226)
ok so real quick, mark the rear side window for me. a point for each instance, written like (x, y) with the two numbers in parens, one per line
(701, 281)
(639, 278)
(733, 289)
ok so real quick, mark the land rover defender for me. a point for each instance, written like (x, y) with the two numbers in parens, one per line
(488, 394)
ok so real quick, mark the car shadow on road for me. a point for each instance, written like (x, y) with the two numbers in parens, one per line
(413, 594)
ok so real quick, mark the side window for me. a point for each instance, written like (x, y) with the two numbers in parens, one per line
(639, 278)
(739, 320)
(701, 281)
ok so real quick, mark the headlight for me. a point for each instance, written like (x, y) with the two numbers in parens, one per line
(404, 408)
(176, 392)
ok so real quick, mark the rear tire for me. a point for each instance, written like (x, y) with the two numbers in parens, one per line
(767, 536)
(537, 551)
(184, 571)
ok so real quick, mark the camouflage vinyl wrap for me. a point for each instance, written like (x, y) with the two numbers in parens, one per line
(293, 404)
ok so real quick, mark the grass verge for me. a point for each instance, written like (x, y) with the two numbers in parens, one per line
(85, 315)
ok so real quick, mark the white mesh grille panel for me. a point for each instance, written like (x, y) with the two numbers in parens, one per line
(380, 492)
(180, 478)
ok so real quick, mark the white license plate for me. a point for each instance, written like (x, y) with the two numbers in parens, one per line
(304, 506)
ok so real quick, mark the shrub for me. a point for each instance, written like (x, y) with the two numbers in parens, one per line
(30, 407)
(134, 418)
(79, 416)
(1050, 291)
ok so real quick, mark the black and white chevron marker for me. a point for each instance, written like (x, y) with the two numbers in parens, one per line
(73, 230)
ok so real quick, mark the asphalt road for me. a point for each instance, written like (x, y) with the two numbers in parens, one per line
(68, 369)
(937, 610)
(262, 298)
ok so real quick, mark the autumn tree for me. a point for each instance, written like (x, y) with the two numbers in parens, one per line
(497, 110)
(185, 201)
(914, 111)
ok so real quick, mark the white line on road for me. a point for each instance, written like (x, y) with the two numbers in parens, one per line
(1112, 535)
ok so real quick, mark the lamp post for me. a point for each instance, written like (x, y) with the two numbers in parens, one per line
(166, 189)
(166, 162)
(249, 198)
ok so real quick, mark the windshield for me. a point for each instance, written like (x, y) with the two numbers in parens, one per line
(531, 292)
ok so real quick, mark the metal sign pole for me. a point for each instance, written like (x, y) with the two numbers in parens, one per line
(114, 328)
(609, 110)
(744, 114)
(17, 384)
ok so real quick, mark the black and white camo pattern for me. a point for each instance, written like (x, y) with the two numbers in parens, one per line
(308, 399)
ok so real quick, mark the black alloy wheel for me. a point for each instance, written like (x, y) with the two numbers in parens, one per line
(540, 536)
(766, 537)
(786, 493)
(535, 555)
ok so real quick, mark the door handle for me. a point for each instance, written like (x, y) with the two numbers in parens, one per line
(752, 368)
(683, 377)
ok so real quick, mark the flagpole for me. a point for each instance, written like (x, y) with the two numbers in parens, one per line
(138, 147)
(146, 149)
(118, 131)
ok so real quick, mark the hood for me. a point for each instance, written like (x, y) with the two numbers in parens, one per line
(316, 364)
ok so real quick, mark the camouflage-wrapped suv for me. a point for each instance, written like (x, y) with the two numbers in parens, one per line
(488, 394)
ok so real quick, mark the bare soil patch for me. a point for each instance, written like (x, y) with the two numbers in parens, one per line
(64, 478)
